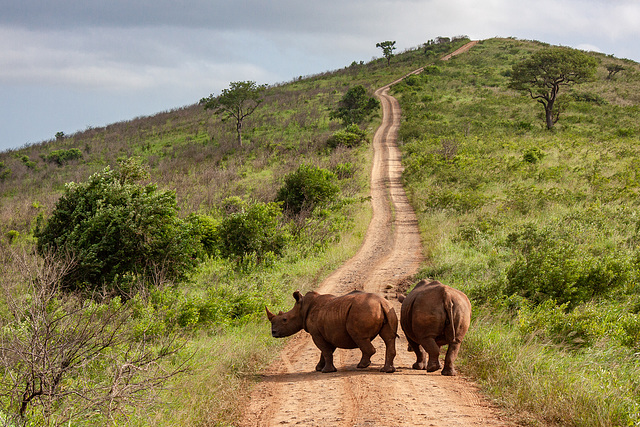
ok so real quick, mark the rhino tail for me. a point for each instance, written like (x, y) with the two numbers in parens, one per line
(452, 323)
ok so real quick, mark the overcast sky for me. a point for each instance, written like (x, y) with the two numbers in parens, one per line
(66, 65)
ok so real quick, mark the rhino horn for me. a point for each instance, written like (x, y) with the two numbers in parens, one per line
(270, 315)
(401, 297)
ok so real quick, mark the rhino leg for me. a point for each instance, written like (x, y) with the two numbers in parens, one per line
(433, 350)
(326, 356)
(421, 355)
(452, 353)
(320, 365)
(367, 350)
(389, 337)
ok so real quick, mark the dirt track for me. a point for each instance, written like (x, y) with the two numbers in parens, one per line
(293, 393)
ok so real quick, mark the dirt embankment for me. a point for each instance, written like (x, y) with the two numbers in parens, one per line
(293, 393)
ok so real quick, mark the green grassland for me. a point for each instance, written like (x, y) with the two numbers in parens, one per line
(540, 228)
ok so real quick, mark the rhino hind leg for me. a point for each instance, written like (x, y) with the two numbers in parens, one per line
(421, 355)
(367, 350)
(452, 354)
(388, 335)
(321, 363)
(433, 350)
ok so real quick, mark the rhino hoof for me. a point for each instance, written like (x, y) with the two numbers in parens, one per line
(388, 370)
(449, 372)
(419, 366)
(433, 368)
(326, 370)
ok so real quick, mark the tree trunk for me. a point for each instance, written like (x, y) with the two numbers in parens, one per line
(548, 110)
(239, 131)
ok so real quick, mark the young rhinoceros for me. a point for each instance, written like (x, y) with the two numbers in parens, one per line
(431, 316)
(348, 321)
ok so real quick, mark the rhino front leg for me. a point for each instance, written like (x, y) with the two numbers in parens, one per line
(326, 356)
(320, 365)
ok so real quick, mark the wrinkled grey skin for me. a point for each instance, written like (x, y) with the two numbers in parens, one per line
(433, 315)
(348, 321)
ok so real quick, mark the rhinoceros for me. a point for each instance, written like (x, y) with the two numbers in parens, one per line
(431, 316)
(348, 321)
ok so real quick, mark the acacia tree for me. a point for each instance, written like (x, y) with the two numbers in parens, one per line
(237, 102)
(387, 49)
(546, 71)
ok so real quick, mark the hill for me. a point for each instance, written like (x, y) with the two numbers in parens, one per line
(522, 219)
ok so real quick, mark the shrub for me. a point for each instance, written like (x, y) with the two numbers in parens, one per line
(119, 231)
(355, 106)
(5, 172)
(307, 188)
(351, 136)
(533, 155)
(549, 267)
(254, 232)
(60, 157)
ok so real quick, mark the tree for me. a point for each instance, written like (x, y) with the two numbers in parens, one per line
(237, 102)
(66, 361)
(306, 188)
(613, 69)
(120, 232)
(546, 71)
(354, 106)
(387, 49)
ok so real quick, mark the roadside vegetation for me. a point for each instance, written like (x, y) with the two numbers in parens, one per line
(539, 227)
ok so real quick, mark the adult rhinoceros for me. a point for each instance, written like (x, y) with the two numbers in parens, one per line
(347, 321)
(431, 316)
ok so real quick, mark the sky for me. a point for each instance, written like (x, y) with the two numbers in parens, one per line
(68, 65)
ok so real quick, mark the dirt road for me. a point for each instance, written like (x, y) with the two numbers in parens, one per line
(293, 393)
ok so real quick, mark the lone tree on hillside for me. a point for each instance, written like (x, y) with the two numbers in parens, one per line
(613, 69)
(354, 106)
(237, 102)
(546, 71)
(387, 49)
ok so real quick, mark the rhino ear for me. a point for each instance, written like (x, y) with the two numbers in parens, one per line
(298, 296)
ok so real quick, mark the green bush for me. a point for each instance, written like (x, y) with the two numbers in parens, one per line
(60, 157)
(118, 233)
(351, 136)
(5, 172)
(307, 188)
(252, 233)
(547, 267)
(355, 106)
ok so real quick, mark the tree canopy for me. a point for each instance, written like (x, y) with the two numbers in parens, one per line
(546, 71)
(387, 49)
(118, 231)
(354, 106)
(237, 102)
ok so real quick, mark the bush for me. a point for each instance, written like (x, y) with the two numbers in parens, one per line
(355, 106)
(550, 267)
(119, 232)
(60, 157)
(307, 188)
(351, 136)
(252, 233)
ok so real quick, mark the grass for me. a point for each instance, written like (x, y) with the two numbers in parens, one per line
(481, 173)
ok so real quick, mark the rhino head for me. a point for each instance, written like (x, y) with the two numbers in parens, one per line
(286, 324)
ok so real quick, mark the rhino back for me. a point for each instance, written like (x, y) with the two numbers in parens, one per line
(341, 319)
